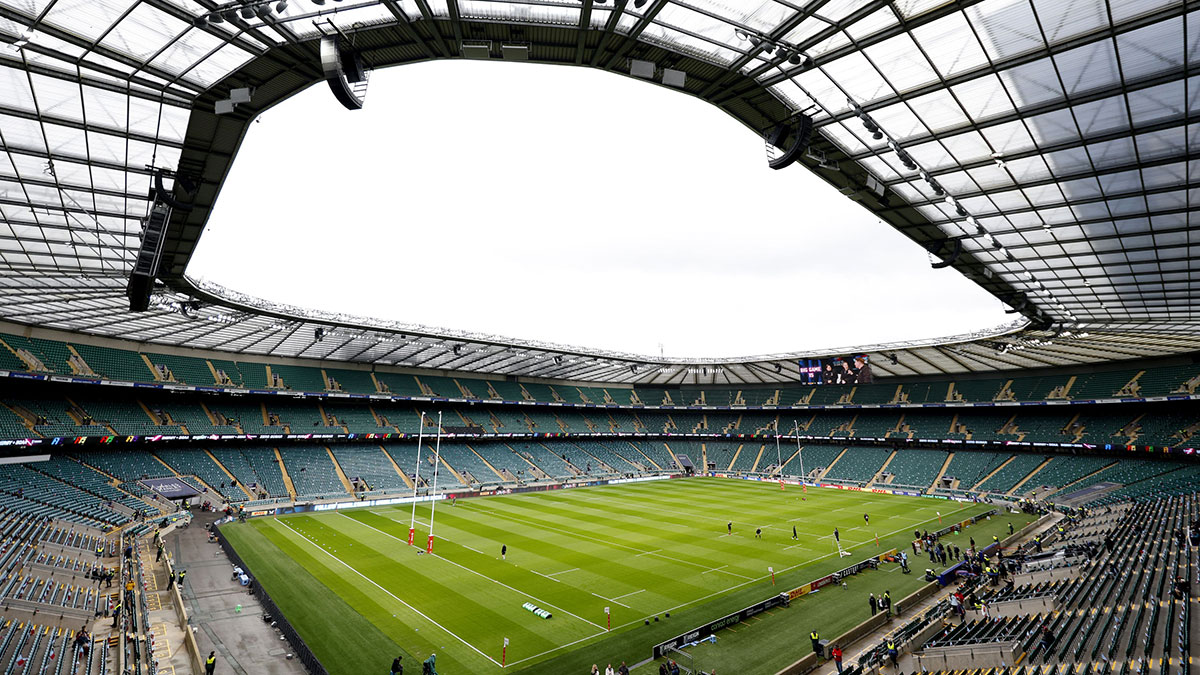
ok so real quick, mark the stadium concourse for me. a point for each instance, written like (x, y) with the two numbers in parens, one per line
(196, 479)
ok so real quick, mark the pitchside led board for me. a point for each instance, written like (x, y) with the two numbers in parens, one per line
(854, 369)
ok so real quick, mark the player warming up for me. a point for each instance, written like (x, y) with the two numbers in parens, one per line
(503, 551)
(867, 519)
(729, 527)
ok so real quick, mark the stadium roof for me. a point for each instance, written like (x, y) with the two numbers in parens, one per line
(1048, 142)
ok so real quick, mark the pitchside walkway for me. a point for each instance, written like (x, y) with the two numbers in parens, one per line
(244, 644)
(853, 650)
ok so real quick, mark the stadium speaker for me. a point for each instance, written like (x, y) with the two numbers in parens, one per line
(342, 70)
(161, 194)
(955, 251)
(792, 138)
(149, 257)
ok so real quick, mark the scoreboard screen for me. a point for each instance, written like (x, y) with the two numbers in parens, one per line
(854, 369)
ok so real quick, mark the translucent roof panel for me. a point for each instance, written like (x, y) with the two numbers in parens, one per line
(1059, 128)
(1044, 115)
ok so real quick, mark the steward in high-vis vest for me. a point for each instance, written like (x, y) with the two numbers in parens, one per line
(816, 642)
(210, 664)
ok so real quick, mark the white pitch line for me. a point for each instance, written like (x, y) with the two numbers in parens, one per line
(647, 553)
(553, 574)
(715, 569)
(547, 576)
(390, 594)
(494, 581)
(606, 542)
(611, 600)
(629, 594)
(472, 548)
(716, 593)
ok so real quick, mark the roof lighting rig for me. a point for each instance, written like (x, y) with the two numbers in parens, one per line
(244, 9)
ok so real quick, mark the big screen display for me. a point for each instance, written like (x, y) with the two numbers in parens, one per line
(854, 369)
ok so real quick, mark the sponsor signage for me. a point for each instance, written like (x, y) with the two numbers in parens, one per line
(663, 648)
(171, 488)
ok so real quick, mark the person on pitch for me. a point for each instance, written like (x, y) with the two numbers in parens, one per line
(729, 527)
(758, 533)
(867, 518)
(837, 536)
(503, 551)
(794, 535)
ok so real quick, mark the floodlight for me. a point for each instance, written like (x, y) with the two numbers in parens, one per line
(200, 21)
(216, 17)
(741, 34)
(230, 14)
(796, 58)
(281, 7)
(961, 211)
(247, 12)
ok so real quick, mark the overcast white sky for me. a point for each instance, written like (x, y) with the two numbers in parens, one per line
(564, 204)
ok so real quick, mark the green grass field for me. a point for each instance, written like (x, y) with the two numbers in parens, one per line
(358, 594)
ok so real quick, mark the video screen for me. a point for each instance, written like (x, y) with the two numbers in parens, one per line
(854, 369)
